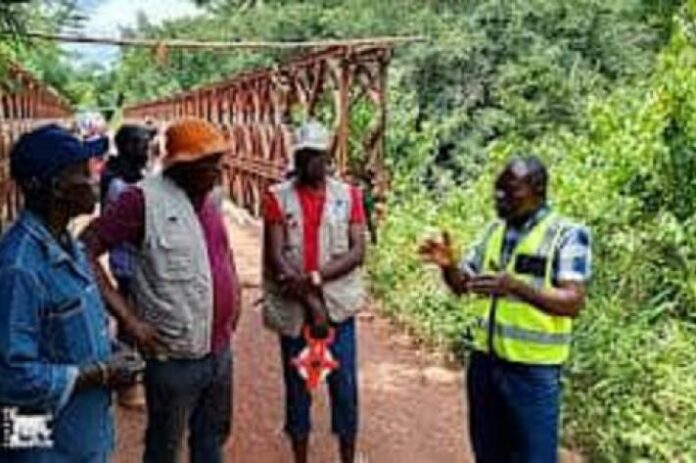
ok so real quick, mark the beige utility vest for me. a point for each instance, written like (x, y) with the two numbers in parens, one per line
(173, 285)
(344, 296)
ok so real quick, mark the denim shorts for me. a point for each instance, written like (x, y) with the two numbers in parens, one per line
(342, 384)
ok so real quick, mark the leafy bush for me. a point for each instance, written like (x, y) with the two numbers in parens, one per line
(581, 83)
(628, 172)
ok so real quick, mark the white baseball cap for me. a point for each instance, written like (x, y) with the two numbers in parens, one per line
(311, 135)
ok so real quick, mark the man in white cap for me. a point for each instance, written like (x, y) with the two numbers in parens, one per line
(314, 246)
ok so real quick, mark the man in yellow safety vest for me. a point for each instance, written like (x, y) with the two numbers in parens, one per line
(529, 271)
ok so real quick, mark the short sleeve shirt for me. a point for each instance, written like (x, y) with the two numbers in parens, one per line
(572, 259)
(312, 204)
(123, 221)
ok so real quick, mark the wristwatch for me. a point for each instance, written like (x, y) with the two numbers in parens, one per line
(315, 278)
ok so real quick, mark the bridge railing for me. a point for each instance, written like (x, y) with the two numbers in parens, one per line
(256, 111)
(24, 103)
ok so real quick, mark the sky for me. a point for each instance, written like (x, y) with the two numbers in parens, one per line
(105, 17)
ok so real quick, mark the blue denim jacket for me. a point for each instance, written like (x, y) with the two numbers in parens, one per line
(52, 320)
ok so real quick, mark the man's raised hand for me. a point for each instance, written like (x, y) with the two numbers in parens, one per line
(440, 253)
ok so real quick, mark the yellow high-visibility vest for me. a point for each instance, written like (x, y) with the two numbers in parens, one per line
(512, 329)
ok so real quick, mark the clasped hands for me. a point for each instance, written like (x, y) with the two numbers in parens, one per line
(306, 289)
(123, 369)
(297, 284)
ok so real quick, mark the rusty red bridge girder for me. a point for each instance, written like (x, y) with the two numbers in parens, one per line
(257, 111)
(24, 103)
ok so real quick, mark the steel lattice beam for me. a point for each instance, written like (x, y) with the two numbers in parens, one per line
(24, 103)
(255, 111)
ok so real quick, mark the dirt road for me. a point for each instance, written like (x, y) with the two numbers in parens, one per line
(411, 409)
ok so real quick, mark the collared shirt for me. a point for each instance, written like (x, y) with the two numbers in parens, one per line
(52, 321)
(572, 259)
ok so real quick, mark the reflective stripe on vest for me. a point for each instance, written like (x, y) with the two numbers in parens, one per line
(521, 334)
(515, 330)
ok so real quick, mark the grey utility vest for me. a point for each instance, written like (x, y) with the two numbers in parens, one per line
(344, 296)
(173, 285)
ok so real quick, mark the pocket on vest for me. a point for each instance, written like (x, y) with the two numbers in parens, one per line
(173, 255)
(338, 235)
(174, 259)
(178, 265)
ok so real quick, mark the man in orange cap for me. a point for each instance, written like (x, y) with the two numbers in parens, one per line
(185, 291)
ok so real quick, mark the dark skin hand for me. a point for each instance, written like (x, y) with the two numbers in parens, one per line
(516, 198)
(343, 264)
(311, 173)
(442, 254)
(291, 277)
(122, 370)
(71, 195)
(294, 282)
(197, 179)
(314, 304)
(148, 339)
(565, 300)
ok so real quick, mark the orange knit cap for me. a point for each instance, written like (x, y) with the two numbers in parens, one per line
(191, 139)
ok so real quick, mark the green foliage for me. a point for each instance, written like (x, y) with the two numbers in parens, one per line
(581, 83)
(626, 169)
(43, 59)
(603, 91)
(490, 69)
(11, 18)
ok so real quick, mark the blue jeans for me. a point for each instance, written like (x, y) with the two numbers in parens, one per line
(343, 387)
(197, 393)
(513, 410)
